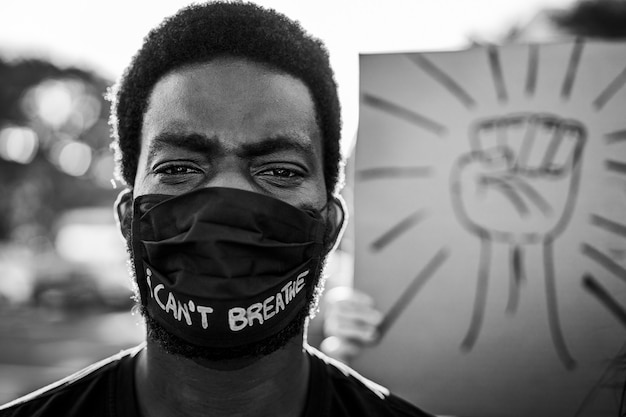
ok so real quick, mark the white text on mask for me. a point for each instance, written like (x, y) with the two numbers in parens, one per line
(239, 318)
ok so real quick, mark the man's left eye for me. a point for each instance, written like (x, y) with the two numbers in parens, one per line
(281, 176)
(282, 173)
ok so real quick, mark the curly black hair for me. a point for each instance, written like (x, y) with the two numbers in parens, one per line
(200, 33)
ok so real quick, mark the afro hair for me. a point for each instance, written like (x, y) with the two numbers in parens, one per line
(202, 32)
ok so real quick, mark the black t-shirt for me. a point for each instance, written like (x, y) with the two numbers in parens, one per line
(106, 389)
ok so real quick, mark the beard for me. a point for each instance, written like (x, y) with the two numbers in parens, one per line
(174, 345)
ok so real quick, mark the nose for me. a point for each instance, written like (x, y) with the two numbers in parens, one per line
(231, 177)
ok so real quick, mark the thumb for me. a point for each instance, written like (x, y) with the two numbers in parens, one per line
(472, 166)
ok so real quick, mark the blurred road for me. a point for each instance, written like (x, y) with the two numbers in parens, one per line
(40, 346)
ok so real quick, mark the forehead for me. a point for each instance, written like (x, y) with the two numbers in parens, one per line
(232, 99)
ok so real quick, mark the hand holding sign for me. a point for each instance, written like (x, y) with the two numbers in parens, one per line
(351, 322)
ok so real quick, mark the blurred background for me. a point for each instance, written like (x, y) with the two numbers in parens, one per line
(65, 294)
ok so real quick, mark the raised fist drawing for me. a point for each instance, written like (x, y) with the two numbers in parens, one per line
(519, 182)
(518, 186)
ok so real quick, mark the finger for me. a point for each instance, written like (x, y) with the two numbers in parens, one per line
(543, 130)
(358, 315)
(564, 153)
(356, 331)
(484, 136)
(515, 129)
(363, 334)
(368, 316)
(505, 187)
(362, 320)
(341, 349)
(469, 173)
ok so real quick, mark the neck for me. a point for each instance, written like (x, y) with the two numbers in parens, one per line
(274, 385)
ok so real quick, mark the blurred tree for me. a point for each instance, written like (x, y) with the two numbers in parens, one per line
(54, 140)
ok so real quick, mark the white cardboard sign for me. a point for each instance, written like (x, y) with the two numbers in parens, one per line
(490, 226)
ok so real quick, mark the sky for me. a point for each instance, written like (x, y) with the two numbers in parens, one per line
(103, 36)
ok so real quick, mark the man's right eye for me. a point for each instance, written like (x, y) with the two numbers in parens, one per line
(175, 169)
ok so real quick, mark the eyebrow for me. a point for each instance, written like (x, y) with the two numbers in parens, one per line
(210, 145)
(279, 143)
(192, 142)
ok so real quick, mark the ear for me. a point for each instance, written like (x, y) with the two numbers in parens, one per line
(123, 212)
(336, 219)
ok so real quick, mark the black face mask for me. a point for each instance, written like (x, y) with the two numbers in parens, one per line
(221, 267)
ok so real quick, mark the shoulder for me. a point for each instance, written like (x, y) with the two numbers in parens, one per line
(79, 394)
(354, 394)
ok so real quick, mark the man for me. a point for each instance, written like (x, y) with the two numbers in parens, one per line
(226, 128)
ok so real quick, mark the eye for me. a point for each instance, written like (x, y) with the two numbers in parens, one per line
(175, 169)
(176, 172)
(282, 173)
(281, 176)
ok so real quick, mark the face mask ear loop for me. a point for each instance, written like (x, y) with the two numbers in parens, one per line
(123, 212)
(136, 247)
(336, 206)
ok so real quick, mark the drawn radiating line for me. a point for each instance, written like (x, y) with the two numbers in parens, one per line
(393, 172)
(602, 295)
(572, 68)
(397, 230)
(533, 68)
(604, 261)
(404, 113)
(411, 291)
(444, 79)
(496, 73)
(616, 166)
(610, 225)
(615, 137)
(610, 90)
